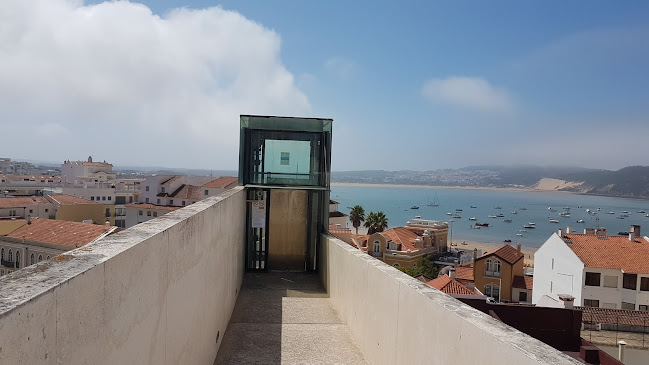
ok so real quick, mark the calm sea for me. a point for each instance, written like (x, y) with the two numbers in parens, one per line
(396, 202)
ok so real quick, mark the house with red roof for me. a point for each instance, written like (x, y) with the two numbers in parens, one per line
(598, 270)
(499, 274)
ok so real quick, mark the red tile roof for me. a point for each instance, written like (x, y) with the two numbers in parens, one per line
(507, 253)
(222, 182)
(464, 273)
(523, 282)
(187, 192)
(151, 206)
(63, 199)
(610, 252)
(73, 234)
(336, 214)
(403, 236)
(17, 202)
(615, 316)
(450, 286)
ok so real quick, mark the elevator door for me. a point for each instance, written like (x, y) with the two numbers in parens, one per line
(287, 233)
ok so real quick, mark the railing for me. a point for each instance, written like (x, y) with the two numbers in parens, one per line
(493, 274)
(9, 264)
(608, 326)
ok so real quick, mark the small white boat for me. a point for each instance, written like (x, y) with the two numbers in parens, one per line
(493, 216)
(553, 221)
(610, 213)
(522, 208)
(451, 220)
(498, 207)
(598, 209)
(531, 223)
(513, 212)
(473, 219)
(522, 230)
(519, 234)
(552, 209)
(580, 221)
(449, 213)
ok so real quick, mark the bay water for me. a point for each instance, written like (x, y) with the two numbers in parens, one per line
(396, 202)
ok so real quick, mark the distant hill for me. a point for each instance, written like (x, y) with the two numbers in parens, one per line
(629, 182)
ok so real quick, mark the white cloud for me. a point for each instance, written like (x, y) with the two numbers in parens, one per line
(340, 67)
(468, 92)
(135, 88)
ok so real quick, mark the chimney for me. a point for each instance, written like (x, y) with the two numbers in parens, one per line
(29, 219)
(569, 230)
(634, 232)
(518, 248)
(560, 232)
(475, 255)
(568, 300)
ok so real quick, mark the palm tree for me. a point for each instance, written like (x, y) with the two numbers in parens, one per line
(376, 222)
(381, 222)
(370, 223)
(357, 215)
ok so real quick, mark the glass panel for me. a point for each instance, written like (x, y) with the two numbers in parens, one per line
(287, 159)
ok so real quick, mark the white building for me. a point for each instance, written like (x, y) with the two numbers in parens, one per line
(142, 212)
(337, 219)
(76, 172)
(598, 270)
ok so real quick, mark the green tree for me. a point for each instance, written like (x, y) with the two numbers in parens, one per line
(356, 216)
(424, 267)
(376, 222)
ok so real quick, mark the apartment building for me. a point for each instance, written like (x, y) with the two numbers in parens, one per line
(76, 172)
(598, 270)
(337, 218)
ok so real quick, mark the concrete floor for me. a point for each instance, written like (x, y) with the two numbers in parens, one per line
(286, 318)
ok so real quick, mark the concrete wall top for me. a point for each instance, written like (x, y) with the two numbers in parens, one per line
(161, 292)
(397, 319)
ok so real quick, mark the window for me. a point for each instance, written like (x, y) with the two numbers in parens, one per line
(103, 198)
(130, 199)
(643, 308)
(48, 257)
(493, 268)
(3, 253)
(393, 246)
(147, 200)
(31, 259)
(12, 212)
(110, 198)
(107, 212)
(644, 284)
(206, 192)
(148, 213)
(552, 263)
(146, 188)
(31, 211)
(46, 210)
(155, 214)
(17, 259)
(40, 258)
(377, 246)
(522, 296)
(92, 198)
(593, 278)
(158, 201)
(2, 272)
(98, 198)
(139, 212)
(492, 290)
(183, 203)
(171, 202)
(610, 281)
(591, 303)
(162, 189)
(628, 306)
(629, 281)
(11, 256)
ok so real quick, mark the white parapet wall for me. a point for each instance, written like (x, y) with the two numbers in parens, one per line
(396, 319)
(161, 292)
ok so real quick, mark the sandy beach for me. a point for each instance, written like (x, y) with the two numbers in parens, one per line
(543, 189)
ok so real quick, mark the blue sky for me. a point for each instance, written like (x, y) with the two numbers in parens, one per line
(426, 85)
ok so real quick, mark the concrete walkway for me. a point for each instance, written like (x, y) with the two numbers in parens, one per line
(286, 318)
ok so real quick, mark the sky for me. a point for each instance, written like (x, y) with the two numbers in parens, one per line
(418, 85)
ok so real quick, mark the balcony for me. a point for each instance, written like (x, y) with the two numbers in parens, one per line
(492, 274)
(173, 291)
